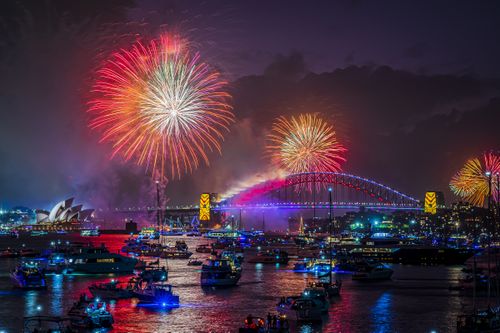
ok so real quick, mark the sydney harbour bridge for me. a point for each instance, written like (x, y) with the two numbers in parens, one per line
(313, 190)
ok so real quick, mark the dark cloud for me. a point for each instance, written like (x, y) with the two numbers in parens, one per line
(416, 51)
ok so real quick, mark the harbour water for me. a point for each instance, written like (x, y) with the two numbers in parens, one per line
(416, 300)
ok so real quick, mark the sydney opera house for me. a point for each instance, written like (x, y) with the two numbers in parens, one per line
(64, 215)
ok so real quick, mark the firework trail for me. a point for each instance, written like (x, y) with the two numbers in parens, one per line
(161, 106)
(472, 183)
(306, 143)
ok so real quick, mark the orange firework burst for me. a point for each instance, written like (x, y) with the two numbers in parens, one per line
(306, 143)
(161, 106)
(472, 181)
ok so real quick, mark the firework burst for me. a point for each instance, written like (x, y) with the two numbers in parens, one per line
(472, 183)
(306, 143)
(161, 106)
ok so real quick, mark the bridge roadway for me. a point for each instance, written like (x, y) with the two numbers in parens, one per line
(191, 209)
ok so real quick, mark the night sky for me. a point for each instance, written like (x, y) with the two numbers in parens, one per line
(413, 88)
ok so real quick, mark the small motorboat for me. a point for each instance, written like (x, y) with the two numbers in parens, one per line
(299, 309)
(9, 253)
(319, 294)
(172, 253)
(372, 272)
(332, 289)
(28, 276)
(154, 274)
(270, 257)
(181, 245)
(219, 273)
(194, 262)
(480, 321)
(111, 290)
(300, 266)
(274, 324)
(159, 294)
(90, 313)
(56, 263)
(204, 248)
(28, 253)
(47, 324)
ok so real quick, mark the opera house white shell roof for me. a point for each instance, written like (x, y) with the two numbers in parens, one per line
(64, 212)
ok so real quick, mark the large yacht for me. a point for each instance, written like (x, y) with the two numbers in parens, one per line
(96, 260)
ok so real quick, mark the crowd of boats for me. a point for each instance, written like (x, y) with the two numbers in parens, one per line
(324, 260)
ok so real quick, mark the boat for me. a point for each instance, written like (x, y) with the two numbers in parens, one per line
(154, 274)
(300, 266)
(299, 309)
(194, 262)
(97, 260)
(9, 253)
(28, 253)
(47, 324)
(56, 263)
(90, 313)
(320, 266)
(36, 233)
(372, 272)
(392, 250)
(157, 294)
(319, 294)
(90, 232)
(480, 321)
(28, 276)
(219, 273)
(204, 248)
(273, 324)
(270, 257)
(172, 253)
(111, 290)
(181, 245)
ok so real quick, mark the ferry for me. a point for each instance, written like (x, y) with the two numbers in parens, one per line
(393, 250)
(98, 260)
(219, 272)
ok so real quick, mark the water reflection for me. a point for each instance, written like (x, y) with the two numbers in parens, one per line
(381, 313)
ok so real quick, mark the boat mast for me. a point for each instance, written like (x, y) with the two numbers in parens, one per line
(330, 233)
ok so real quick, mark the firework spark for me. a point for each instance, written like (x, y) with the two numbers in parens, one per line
(161, 106)
(306, 143)
(472, 183)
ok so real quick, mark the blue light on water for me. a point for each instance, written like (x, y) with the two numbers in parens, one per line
(381, 313)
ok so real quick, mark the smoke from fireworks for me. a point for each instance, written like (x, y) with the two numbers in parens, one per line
(161, 106)
(306, 143)
(472, 182)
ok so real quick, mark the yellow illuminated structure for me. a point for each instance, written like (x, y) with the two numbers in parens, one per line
(430, 205)
(205, 207)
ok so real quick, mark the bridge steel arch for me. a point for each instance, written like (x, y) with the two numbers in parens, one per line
(277, 192)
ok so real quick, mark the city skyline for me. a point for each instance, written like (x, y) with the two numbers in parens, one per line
(404, 125)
